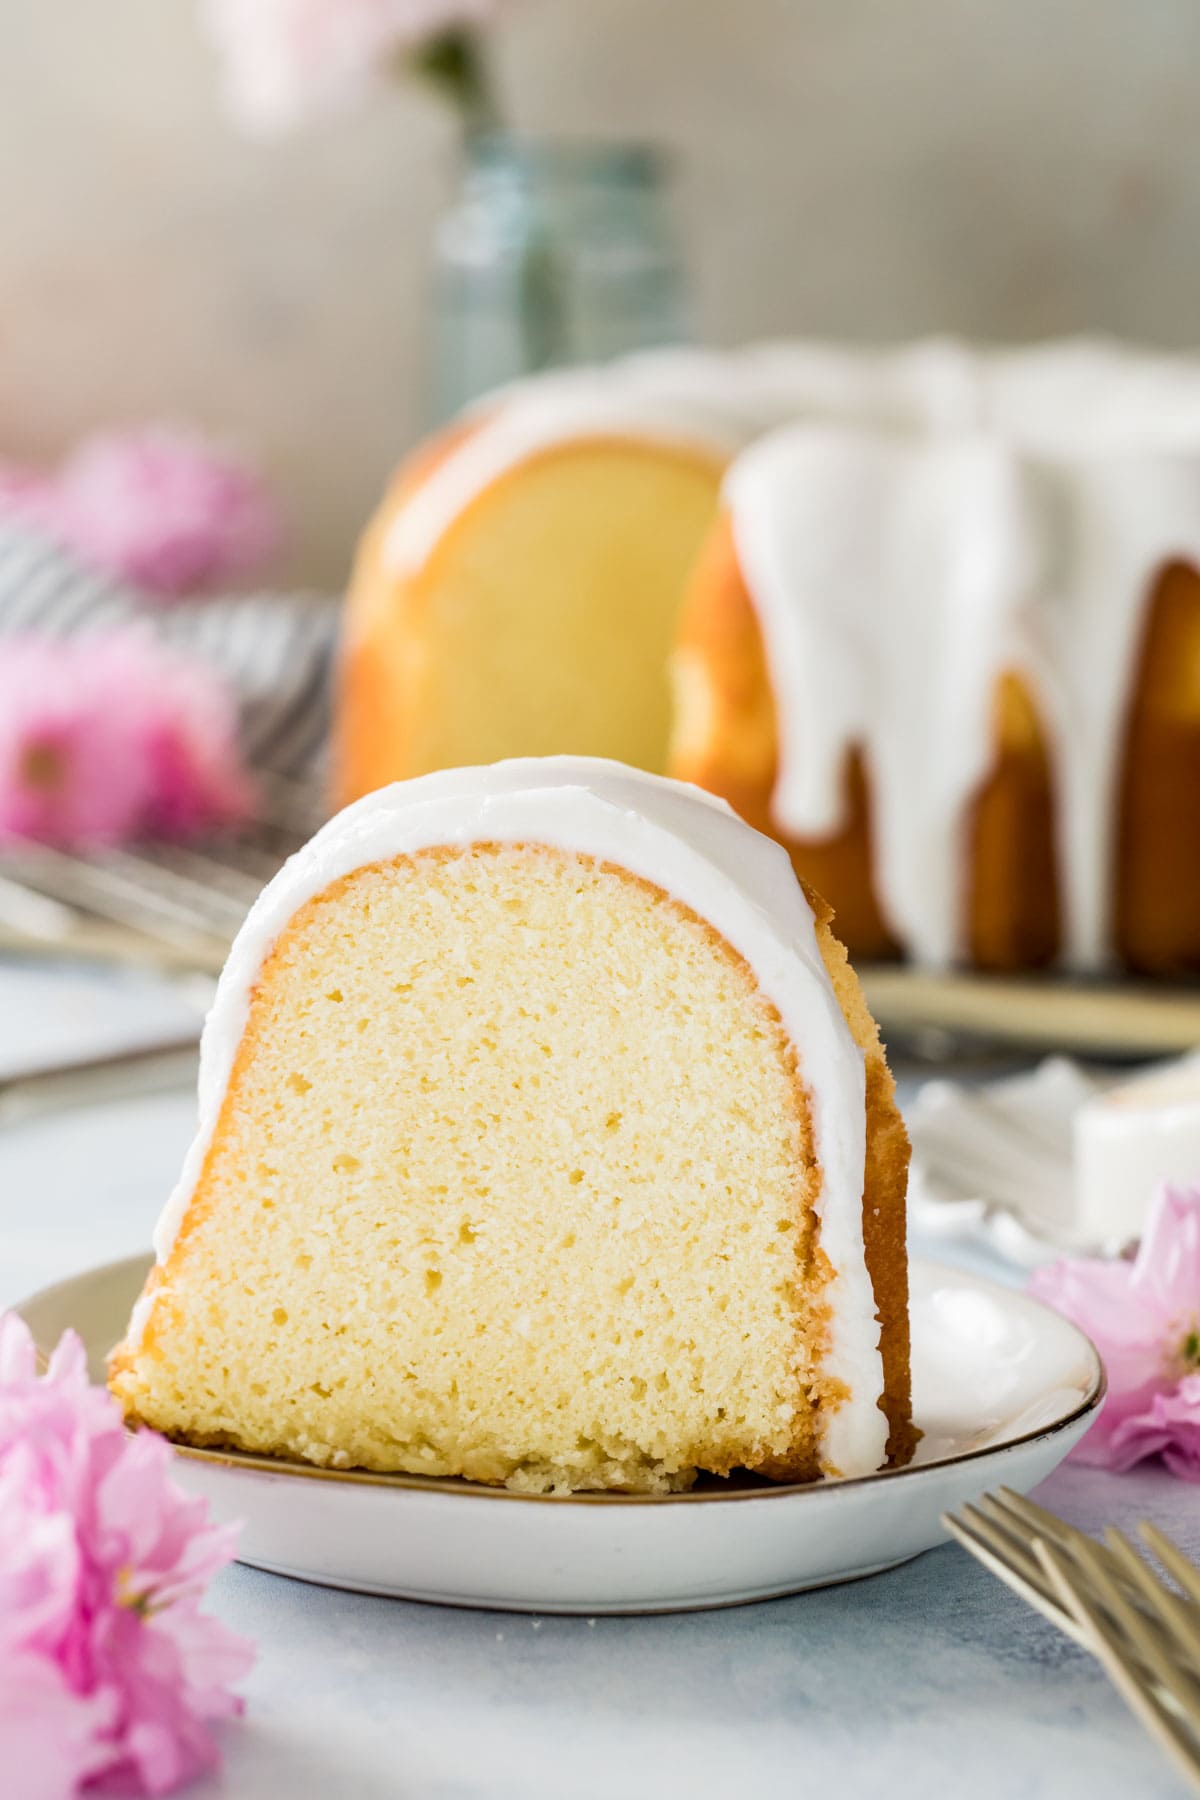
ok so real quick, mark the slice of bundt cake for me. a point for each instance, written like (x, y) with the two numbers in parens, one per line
(545, 1139)
(958, 676)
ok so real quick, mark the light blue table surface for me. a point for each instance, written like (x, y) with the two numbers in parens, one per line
(929, 1681)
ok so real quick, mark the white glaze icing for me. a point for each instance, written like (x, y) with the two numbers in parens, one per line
(896, 578)
(881, 571)
(697, 850)
(711, 401)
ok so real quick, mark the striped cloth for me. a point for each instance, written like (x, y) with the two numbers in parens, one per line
(275, 649)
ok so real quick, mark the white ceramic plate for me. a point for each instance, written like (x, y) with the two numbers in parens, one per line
(1002, 1389)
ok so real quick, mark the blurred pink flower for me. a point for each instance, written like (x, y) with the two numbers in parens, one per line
(287, 60)
(72, 768)
(108, 1668)
(159, 508)
(185, 718)
(166, 511)
(1169, 1427)
(109, 736)
(1144, 1318)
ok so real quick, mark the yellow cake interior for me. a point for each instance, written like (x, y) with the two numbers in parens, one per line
(541, 622)
(517, 1210)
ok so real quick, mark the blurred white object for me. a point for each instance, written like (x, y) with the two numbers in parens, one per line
(1129, 1138)
(1060, 1160)
(992, 1163)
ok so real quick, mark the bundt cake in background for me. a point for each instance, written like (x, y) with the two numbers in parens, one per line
(519, 590)
(545, 1139)
(940, 635)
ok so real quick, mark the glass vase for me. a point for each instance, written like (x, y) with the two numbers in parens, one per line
(556, 253)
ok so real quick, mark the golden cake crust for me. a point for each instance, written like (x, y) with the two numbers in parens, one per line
(884, 1190)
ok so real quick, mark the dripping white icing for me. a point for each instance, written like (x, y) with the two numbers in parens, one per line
(692, 846)
(896, 579)
(884, 571)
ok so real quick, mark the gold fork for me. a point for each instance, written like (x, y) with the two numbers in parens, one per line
(1144, 1632)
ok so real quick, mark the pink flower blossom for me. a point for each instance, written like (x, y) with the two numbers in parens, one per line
(288, 60)
(111, 736)
(185, 720)
(156, 507)
(1169, 1427)
(1144, 1318)
(108, 1668)
(72, 767)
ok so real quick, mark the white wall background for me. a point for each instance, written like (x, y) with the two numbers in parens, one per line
(870, 168)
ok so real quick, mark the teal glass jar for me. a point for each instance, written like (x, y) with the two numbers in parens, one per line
(555, 253)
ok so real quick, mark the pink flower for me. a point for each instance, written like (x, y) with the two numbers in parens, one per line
(72, 769)
(287, 60)
(156, 507)
(1144, 1318)
(1169, 1427)
(108, 1668)
(185, 720)
(111, 736)
(166, 511)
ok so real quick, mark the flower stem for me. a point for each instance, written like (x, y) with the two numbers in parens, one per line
(454, 64)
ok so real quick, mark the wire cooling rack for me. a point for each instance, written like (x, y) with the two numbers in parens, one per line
(173, 905)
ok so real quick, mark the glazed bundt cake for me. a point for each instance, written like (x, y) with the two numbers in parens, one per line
(975, 724)
(940, 635)
(545, 1139)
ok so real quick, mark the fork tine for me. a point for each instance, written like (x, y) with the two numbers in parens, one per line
(1172, 1559)
(1025, 1578)
(1126, 1588)
(1042, 1523)
(1048, 1525)
(1183, 1626)
(1156, 1649)
(1012, 1539)
(1107, 1646)
(1014, 1550)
